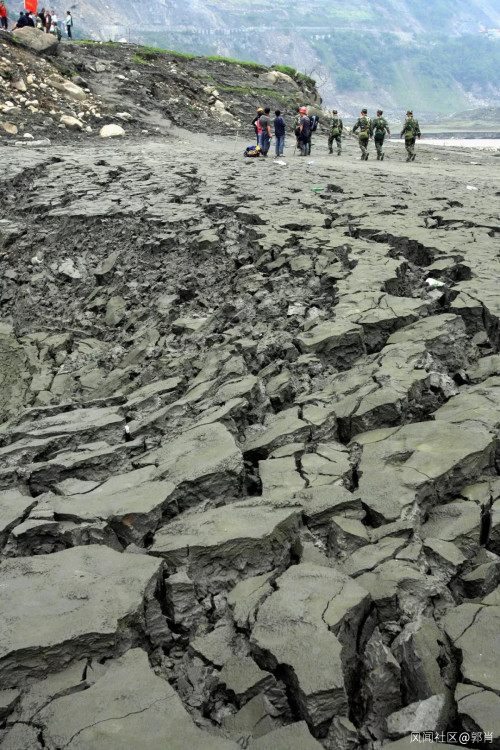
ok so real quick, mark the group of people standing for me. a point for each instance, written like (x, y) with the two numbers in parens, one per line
(45, 21)
(304, 126)
(264, 124)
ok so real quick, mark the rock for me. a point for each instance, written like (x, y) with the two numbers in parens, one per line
(279, 429)
(9, 127)
(242, 676)
(128, 707)
(8, 699)
(422, 651)
(72, 123)
(331, 608)
(292, 737)
(247, 596)
(203, 463)
(430, 715)
(111, 131)
(131, 506)
(14, 507)
(14, 378)
(437, 459)
(479, 711)
(475, 634)
(68, 269)
(215, 647)
(339, 342)
(342, 735)
(69, 88)
(253, 720)
(224, 545)
(37, 40)
(116, 309)
(96, 609)
(185, 610)
(381, 686)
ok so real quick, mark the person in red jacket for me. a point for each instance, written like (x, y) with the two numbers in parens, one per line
(4, 21)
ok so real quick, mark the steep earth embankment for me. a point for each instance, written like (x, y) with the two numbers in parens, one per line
(142, 90)
(249, 476)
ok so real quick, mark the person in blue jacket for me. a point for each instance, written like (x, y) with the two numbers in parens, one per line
(279, 133)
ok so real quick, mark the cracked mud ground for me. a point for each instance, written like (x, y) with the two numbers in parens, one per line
(249, 476)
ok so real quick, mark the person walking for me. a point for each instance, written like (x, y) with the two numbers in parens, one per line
(279, 133)
(411, 131)
(336, 128)
(364, 125)
(380, 127)
(69, 24)
(265, 124)
(4, 18)
(304, 133)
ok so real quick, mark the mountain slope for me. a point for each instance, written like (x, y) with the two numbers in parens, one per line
(391, 53)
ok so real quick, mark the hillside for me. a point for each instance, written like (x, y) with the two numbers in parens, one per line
(366, 51)
(143, 89)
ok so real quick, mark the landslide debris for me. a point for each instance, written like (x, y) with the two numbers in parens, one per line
(249, 461)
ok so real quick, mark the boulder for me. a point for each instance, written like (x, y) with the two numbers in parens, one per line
(37, 40)
(70, 89)
(111, 131)
(72, 123)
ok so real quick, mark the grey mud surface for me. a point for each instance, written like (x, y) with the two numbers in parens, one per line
(249, 457)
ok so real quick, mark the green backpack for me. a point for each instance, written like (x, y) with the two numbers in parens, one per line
(364, 127)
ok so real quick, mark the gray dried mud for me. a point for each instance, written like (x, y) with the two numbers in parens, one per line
(249, 458)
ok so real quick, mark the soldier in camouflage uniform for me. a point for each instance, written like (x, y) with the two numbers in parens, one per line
(411, 131)
(380, 127)
(364, 125)
(336, 129)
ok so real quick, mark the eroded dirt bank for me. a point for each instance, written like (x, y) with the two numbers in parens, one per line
(249, 467)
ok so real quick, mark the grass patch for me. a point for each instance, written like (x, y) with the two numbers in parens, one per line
(306, 79)
(186, 55)
(93, 41)
(138, 59)
(286, 69)
(245, 63)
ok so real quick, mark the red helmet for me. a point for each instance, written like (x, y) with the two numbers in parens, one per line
(303, 110)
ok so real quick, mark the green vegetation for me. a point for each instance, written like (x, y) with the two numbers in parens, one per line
(93, 41)
(434, 74)
(140, 60)
(286, 69)
(245, 63)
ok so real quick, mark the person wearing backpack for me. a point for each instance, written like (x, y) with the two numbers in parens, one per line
(304, 138)
(265, 124)
(380, 127)
(279, 133)
(336, 128)
(411, 131)
(364, 125)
